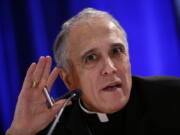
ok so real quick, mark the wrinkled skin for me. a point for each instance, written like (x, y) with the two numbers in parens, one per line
(32, 114)
(99, 58)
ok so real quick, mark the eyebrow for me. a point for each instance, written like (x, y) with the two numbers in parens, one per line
(94, 49)
(118, 44)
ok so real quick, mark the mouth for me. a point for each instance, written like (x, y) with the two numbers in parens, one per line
(112, 87)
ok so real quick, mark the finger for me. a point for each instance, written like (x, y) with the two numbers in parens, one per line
(69, 103)
(39, 69)
(46, 71)
(55, 109)
(28, 79)
(52, 78)
(57, 105)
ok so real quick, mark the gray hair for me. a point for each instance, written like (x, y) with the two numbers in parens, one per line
(60, 48)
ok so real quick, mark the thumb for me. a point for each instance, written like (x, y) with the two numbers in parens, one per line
(58, 105)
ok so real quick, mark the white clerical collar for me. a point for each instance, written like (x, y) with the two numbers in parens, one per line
(102, 116)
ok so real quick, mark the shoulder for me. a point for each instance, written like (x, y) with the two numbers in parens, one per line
(158, 91)
(157, 86)
(159, 101)
(157, 80)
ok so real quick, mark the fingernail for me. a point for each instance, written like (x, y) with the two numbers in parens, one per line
(42, 57)
(69, 103)
(34, 63)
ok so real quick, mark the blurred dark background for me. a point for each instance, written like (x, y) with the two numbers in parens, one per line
(28, 29)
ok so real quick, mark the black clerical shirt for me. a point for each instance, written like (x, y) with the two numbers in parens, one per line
(153, 108)
(113, 126)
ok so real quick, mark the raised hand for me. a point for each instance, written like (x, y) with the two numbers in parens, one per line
(32, 114)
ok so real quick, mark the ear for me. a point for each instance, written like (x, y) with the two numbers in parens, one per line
(67, 78)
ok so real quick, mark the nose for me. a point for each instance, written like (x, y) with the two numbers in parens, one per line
(108, 67)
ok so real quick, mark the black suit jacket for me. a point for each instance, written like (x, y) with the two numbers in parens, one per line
(153, 108)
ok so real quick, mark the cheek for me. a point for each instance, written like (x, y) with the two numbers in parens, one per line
(123, 66)
(127, 69)
(89, 85)
(88, 77)
(88, 82)
(124, 71)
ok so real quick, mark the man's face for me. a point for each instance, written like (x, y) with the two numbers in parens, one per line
(100, 64)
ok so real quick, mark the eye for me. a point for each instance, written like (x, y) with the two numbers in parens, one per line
(117, 50)
(90, 58)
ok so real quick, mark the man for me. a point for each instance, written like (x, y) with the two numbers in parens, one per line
(91, 52)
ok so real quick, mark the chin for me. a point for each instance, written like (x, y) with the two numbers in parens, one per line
(112, 108)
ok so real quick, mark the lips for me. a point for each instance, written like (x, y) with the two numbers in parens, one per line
(112, 86)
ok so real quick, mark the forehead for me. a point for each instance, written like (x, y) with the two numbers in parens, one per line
(92, 28)
(91, 33)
